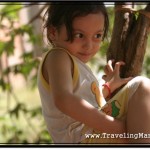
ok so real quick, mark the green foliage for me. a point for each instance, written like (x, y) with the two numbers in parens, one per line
(22, 122)
(146, 67)
(136, 15)
(19, 122)
(10, 10)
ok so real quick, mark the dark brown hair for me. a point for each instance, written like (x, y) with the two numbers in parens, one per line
(60, 13)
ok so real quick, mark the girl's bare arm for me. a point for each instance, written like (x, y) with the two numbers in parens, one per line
(59, 66)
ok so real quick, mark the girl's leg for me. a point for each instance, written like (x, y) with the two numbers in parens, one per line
(138, 115)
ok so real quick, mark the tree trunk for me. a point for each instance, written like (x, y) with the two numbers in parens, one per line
(129, 38)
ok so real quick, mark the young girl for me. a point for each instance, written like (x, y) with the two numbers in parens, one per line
(71, 97)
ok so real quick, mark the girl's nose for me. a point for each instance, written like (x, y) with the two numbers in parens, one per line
(88, 44)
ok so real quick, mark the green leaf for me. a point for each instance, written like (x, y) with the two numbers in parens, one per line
(10, 10)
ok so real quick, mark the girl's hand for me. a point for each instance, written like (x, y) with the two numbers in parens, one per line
(109, 71)
(113, 75)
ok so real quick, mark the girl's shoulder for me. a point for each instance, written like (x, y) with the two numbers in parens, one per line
(57, 52)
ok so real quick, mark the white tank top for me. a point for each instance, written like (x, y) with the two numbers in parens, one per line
(62, 128)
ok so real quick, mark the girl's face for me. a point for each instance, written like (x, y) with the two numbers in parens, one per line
(88, 32)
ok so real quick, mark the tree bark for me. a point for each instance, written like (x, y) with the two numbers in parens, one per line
(129, 38)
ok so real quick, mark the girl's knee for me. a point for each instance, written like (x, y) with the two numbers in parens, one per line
(144, 84)
(137, 84)
(140, 79)
(138, 113)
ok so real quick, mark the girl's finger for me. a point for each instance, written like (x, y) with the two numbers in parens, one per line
(117, 67)
(104, 77)
(109, 66)
(105, 70)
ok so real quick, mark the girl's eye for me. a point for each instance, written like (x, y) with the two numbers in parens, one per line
(78, 35)
(98, 36)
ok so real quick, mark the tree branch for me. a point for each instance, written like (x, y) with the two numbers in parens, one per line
(37, 15)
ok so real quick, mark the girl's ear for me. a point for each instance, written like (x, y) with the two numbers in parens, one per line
(52, 33)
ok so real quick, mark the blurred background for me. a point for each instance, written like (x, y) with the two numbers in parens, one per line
(22, 43)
